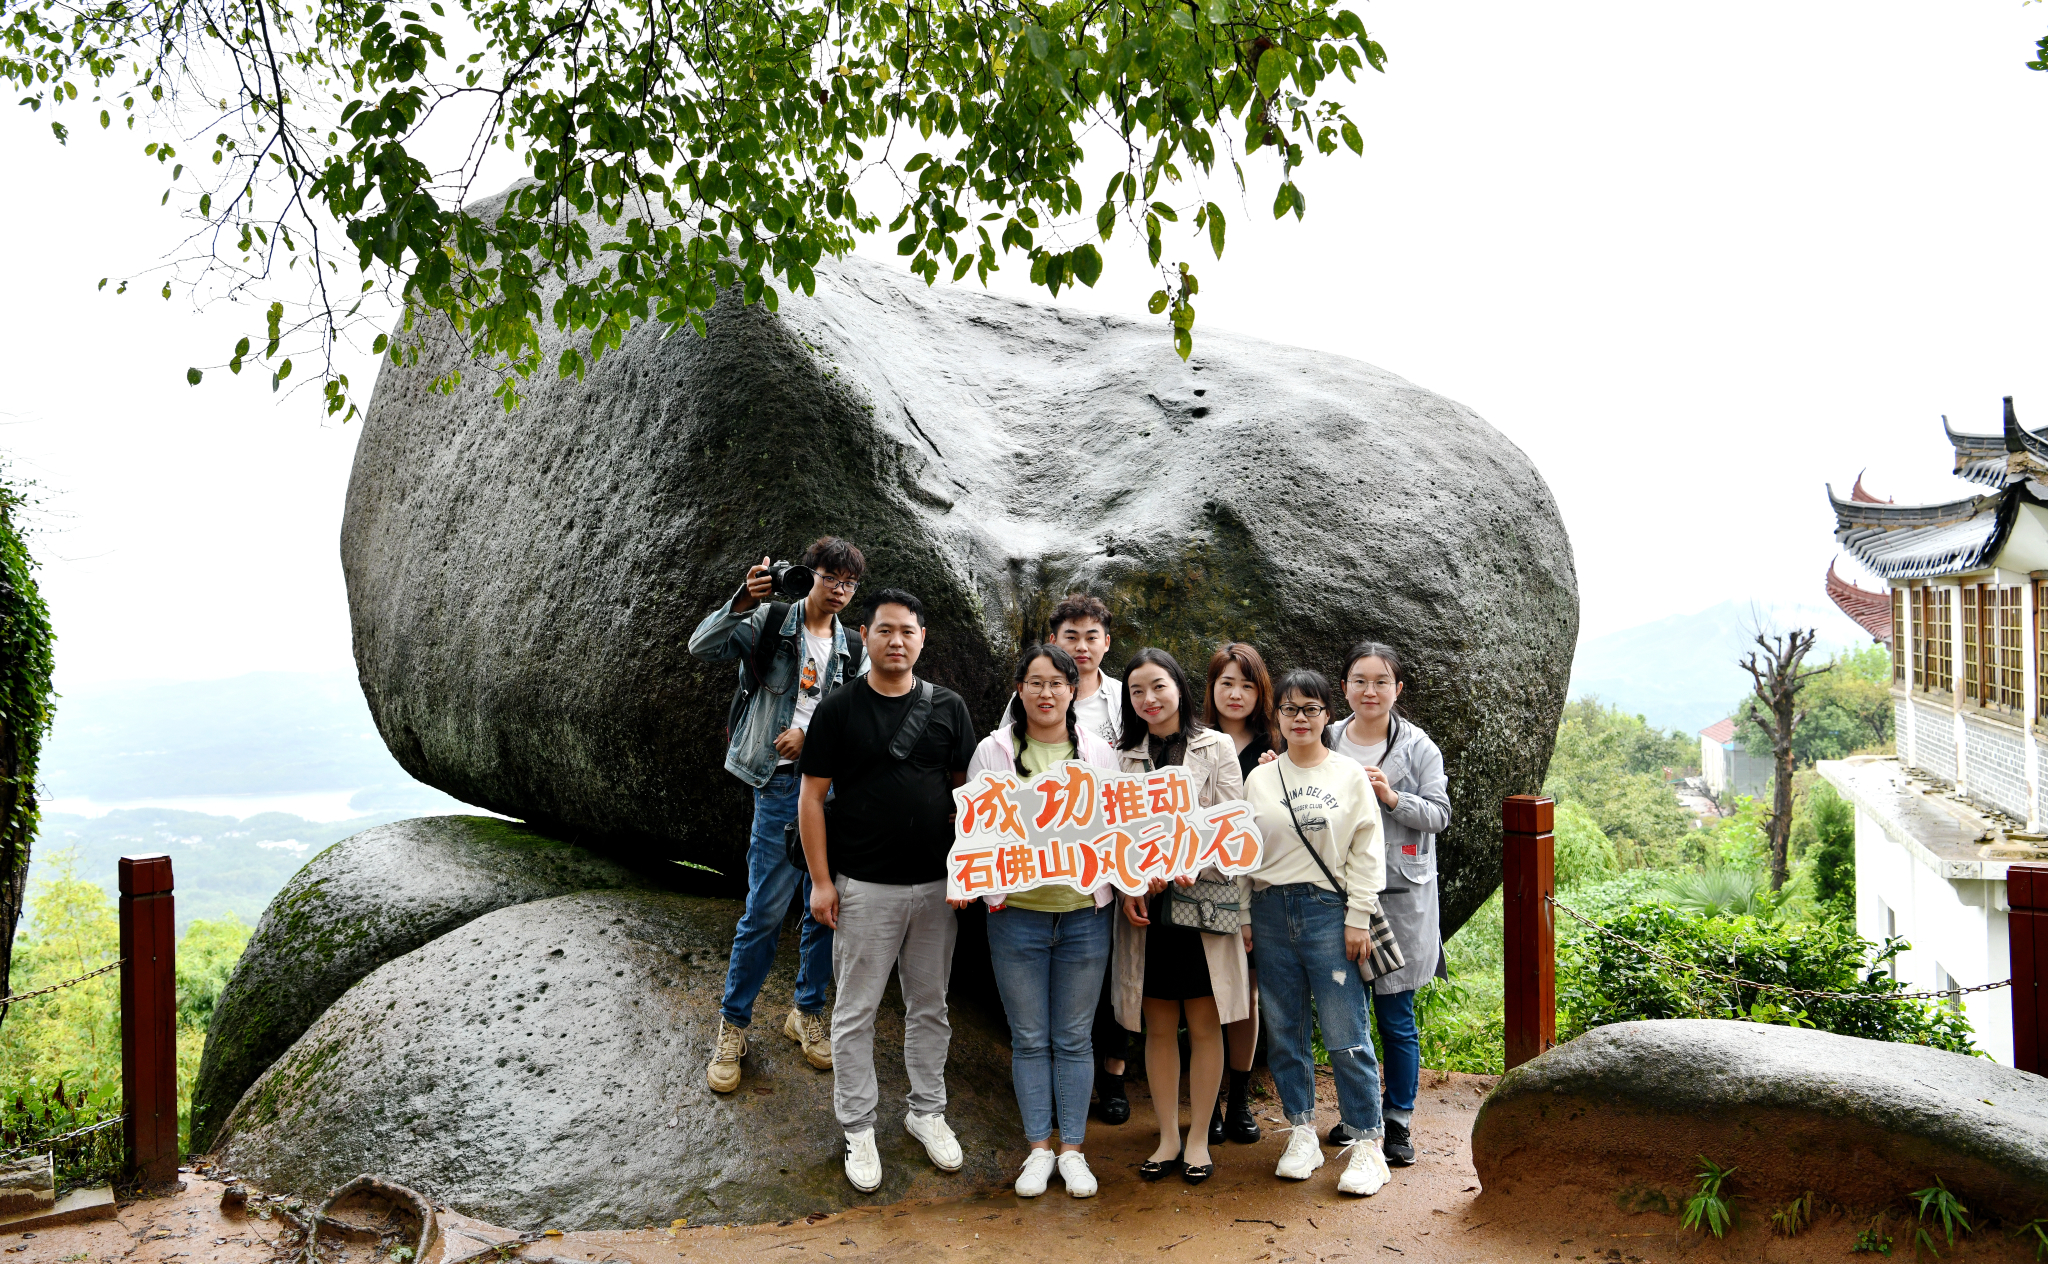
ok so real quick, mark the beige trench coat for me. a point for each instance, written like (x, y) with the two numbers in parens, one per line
(1212, 762)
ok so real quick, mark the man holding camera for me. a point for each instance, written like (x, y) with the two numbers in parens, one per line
(791, 654)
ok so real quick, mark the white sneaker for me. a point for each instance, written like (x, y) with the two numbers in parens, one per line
(1037, 1170)
(939, 1141)
(863, 1164)
(1074, 1171)
(1367, 1171)
(1304, 1154)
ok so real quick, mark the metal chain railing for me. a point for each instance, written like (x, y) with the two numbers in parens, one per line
(73, 1135)
(58, 987)
(1779, 988)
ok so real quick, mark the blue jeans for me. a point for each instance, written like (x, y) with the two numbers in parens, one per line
(1403, 1047)
(1049, 969)
(771, 883)
(1298, 930)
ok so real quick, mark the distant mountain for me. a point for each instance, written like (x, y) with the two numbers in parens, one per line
(1681, 673)
(220, 865)
(263, 734)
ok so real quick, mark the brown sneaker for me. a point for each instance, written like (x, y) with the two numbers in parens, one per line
(723, 1075)
(809, 1031)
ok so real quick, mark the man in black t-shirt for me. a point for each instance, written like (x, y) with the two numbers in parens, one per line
(878, 874)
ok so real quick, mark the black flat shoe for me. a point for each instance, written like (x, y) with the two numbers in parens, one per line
(1194, 1175)
(1216, 1128)
(1340, 1135)
(1112, 1106)
(1240, 1126)
(1158, 1169)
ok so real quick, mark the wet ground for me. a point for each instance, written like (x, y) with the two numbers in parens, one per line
(1433, 1211)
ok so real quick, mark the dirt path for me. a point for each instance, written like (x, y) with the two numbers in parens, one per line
(1431, 1212)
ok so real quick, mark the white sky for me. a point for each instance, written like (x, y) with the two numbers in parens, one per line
(1695, 260)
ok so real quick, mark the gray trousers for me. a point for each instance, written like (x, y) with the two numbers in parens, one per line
(910, 930)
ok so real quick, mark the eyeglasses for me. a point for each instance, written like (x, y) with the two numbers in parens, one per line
(1045, 686)
(1360, 682)
(837, 585)
(1314, 710)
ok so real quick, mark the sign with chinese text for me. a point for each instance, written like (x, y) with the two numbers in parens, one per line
(1079, 826)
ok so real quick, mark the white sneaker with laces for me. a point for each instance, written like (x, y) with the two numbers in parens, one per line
(863, 1164)
(1074, 1171)
(1304, 1154)
(1037, 1170)
(939, 1141)
(1366, 1173)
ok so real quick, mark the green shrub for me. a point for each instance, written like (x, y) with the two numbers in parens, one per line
(1600, 981)
(1824, 836)
(1583, 852)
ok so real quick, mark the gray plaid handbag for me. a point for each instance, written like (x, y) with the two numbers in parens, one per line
(1383, 951)
(1214, 908)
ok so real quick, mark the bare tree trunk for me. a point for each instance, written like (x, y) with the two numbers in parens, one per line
(1778, 680)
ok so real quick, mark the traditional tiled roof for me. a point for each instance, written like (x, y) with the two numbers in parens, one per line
(1872, 611)
(1916, 541)
(1720, 733)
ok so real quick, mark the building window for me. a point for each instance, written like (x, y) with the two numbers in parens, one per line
(2040, 650)
(1941, 650)
(1946, 982)
(1918, 605)
(1899, 634)
(1973, 670)
(2011, 683)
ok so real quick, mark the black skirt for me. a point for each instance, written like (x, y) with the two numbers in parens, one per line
(1176, 963)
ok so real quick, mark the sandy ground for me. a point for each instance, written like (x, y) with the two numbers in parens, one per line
(1433, 1211)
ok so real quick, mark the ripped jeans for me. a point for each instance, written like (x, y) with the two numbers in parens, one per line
(1298, 932)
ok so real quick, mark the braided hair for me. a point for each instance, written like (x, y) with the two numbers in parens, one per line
(1020, 728)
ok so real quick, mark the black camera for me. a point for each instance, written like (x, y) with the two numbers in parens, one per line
(792, 581)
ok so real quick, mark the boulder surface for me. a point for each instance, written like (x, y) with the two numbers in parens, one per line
(523, 584)
(369, 898)
(1626, 1111)
(543, 1067)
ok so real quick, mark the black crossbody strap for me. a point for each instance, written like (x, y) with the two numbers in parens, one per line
(914, 723)
(1324, 865)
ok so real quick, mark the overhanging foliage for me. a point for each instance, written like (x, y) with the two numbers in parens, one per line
(728, 138)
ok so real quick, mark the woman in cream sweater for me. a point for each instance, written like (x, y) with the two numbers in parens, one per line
(1313, 897)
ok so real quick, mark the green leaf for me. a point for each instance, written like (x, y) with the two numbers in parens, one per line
(1216, 229)
(1274, 64)
(1087, 264)
(1105, 222)
(192, 376)
(1352, 139)
(1157, 303)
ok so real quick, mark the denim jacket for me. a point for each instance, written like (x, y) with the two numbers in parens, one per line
(726, 634)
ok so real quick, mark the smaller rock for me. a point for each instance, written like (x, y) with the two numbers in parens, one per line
(27, 1185)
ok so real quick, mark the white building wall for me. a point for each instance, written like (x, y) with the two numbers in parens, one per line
(1953, 925)
(1713, 766)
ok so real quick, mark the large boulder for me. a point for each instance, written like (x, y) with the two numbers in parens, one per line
(523, 583)
(1627, 1111)
(367, 899)
(544, 1067)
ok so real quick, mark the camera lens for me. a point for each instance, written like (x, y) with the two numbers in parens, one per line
(793, 581)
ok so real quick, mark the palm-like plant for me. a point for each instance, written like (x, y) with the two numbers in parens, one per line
(1718, 891)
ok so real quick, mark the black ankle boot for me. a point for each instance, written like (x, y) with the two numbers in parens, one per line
(1238, 1123)
(1111, 1106)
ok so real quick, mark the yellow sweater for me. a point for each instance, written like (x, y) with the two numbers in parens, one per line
(1341, 817)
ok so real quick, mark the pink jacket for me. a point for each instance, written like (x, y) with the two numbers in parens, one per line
(998, 753)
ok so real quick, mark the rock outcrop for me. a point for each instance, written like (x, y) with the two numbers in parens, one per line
(1624, 1112)
(543, 1067)
(360, 903)
(523, 584)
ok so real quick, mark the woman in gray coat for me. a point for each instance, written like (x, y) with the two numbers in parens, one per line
(1407, 773)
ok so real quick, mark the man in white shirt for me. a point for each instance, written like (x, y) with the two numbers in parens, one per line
(1080, 626)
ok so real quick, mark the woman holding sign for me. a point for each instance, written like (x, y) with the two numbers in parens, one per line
(1050, 944)
(1166, 971)
(1314, 897)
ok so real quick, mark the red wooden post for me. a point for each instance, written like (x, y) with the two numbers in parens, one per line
(149, 1019)
(1527, 882)
(2026, 894)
